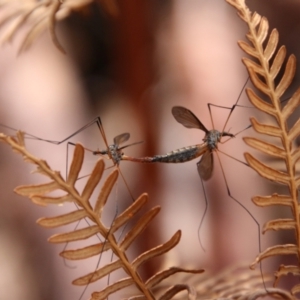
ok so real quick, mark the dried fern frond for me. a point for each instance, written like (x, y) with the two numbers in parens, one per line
(267, 61)
(39, 194)
(40, 14)
(235, 282)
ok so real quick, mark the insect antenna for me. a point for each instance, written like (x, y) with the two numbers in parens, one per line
(239, 132)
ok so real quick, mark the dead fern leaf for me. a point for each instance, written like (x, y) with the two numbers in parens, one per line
(40, 14)
(235, 282)
(268, 63)
(39, 194)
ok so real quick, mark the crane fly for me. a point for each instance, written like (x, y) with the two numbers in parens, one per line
(205, 166)
(210, 143)
(113, 151)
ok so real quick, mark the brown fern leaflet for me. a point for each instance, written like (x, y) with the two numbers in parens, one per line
(39, 194)
(263, 68)
(235, 282)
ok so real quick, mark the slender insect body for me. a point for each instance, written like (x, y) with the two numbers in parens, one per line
(205, 165)
(212, 138)
(181, 155)
(176, 156)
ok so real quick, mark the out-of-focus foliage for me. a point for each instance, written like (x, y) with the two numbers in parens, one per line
(36, 16)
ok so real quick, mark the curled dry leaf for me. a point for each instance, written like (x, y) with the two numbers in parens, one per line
(265, 63)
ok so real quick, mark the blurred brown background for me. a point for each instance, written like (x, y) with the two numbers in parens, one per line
(131, 70)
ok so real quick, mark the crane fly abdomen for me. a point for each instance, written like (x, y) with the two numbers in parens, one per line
(177, 156)
(182, 154)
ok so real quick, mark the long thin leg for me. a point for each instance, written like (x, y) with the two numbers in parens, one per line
(85, 219)
(248, 212)
(203, 215)
(231, 108)
(240, 161)
(96, 120)
(102, 132)
(100, 255)
(205, 197)
(98, 263)
(99, 124)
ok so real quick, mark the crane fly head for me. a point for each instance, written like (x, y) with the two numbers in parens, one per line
(228, 134)
(115, 152)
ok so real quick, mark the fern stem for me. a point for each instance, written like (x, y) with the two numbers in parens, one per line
(279, 118)
(43, 167)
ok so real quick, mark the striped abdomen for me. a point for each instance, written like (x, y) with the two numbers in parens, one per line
(176, 156)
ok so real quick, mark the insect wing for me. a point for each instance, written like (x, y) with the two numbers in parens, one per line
(185, 117)
(122, 138)
(205, 165)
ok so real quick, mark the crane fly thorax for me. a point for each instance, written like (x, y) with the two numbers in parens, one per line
(212, 139)
(114, 153)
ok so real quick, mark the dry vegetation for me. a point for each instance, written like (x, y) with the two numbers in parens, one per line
(265, 63)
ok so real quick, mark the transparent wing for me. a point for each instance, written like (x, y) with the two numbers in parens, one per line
(185, 117)
(136, 143)
(205, 165)
(121, 138)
